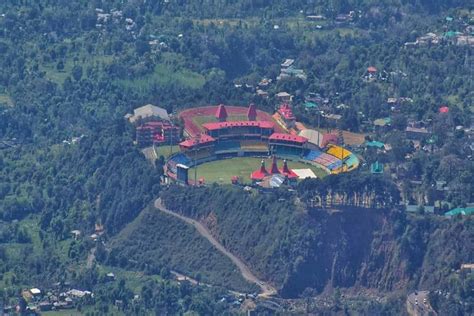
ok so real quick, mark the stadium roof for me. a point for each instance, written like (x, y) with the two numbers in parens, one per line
(221, 113)
(220, 125)
(288, 137)
(203, 139)
(252, 112)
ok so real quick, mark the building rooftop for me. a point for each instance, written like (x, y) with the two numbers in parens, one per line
(287, 171)
(220, 125)
(460, 210)
(372, 69)
(288, 137)
(221, 113)
(260, 173)
(286, 111)
(288, 62)
(148, 110)
(203, 139)
(375, 143)
(421, 130)
(252, 112)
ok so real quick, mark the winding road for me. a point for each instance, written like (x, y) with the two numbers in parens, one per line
(266, 288)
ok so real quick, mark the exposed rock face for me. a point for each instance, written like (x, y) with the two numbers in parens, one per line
(381, 250)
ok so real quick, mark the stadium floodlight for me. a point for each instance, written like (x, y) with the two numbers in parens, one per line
(196, 145)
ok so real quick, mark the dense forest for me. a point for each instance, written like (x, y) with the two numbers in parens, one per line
(71, 70)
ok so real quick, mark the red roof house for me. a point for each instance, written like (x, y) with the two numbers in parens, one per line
(221, 113)
(372, 69)
(444, 109)
(252, 112)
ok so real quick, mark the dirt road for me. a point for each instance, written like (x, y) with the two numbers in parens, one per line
(267, 289)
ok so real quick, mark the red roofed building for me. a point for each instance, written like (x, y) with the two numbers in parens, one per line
(274, 169)
(286, 144)
(260, 174)
(162, 132)
(239, 129)
(288, 138)
(286, 115)
(221, 113)
(371, 69)
(252, 112)
(444, 109)
(201, 141)
(290, 174)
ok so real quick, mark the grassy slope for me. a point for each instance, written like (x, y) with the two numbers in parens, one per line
(165, 75)
(222, 170)
(165, 241)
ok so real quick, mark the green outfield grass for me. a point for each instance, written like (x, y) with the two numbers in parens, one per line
(166, 150)
(221, 171)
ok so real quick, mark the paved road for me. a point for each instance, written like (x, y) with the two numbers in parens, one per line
(419, 304)
(267, 289)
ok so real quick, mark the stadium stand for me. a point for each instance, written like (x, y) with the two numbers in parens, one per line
(311, 155)
(338, 151)
(254, 145)
(179, 158)
(286, 151)
(352, 162)
(227, 145)
(199, 155)
(328, 161)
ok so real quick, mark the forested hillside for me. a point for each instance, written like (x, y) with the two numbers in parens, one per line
(155, 241)
(298, 248)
